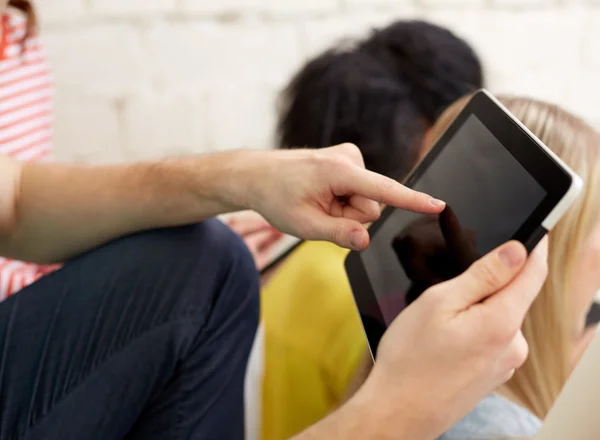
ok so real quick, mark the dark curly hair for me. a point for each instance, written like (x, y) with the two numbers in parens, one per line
(382, 93)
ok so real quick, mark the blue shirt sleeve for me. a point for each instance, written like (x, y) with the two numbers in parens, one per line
(495, 416)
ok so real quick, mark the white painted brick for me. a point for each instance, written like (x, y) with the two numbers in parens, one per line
(87, 127)
(53, 11)
(583, 97)
(131, 7)
(241, 117)
(452, 3)
(322, 34)
(389, 3)
(216, 81)
(221, 6)
(200, 53)
(526, 41)
(524, 3)
(590, 44)
(165, 123)
(300, 7)
(108, 58)
(542, 84)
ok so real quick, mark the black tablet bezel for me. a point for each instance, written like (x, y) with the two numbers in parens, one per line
(553, 178)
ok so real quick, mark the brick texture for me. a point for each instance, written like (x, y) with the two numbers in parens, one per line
(220, 6)
(131, 7)
(164, 122)
(87, 127)
(149, 78)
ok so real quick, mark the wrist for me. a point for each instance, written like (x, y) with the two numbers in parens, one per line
(387, 413)
(234, 176)
(357, 418)
(217, 183)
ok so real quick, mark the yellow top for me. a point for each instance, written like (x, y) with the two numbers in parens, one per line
(313, 339)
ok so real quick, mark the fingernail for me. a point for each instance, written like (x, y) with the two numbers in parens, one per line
(356, 240)
(511, 255)
(437, 203)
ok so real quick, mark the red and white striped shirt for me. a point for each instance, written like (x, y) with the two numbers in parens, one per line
(25, 121)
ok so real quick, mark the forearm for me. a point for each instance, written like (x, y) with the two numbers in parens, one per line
(345, 423)
(62, 210)
(365, 416)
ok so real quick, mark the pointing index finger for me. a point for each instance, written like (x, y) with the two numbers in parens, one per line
(390, 192)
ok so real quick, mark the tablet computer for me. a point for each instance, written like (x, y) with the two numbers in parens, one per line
(499, 183)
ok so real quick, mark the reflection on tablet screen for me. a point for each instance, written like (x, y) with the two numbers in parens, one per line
(411, 252)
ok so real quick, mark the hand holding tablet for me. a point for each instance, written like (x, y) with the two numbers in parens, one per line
(500, 183)
(454, 345)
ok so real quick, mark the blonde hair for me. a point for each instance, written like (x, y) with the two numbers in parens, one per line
(549, 323)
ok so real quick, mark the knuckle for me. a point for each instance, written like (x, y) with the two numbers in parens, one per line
(349, 154)
(333, 166)
(339, 162)
(498, 339)
(521, 355)
(337, 232)
(508, 375)
(372, 210)
(436, 294)
(376, 214)
(351, 149)
(519, 351)
(501, 332)
(487, 276)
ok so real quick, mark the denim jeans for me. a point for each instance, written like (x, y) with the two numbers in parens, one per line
(144, 338)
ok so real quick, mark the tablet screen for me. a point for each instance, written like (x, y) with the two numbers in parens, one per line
(411, 252)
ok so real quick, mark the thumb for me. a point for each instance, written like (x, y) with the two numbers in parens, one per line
(488, 275)
(343, 232)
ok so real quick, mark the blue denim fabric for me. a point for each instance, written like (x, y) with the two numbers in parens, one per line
(144, 338)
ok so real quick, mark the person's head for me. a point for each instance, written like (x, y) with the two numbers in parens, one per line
(555, 324)
(25, 6)
(382, 94)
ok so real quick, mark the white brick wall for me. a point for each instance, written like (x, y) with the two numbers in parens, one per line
(147, 78)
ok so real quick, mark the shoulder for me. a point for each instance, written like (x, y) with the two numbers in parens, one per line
(495, 416)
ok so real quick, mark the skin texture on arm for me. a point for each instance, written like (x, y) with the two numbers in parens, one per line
(363, 417)
(52, 212)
